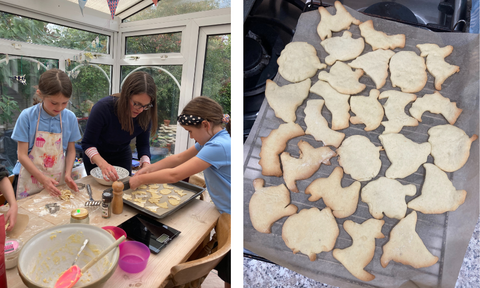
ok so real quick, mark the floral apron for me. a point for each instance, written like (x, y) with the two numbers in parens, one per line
(47, 155)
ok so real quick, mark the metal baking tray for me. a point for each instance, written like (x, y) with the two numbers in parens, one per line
(446, 235)
(191, 189)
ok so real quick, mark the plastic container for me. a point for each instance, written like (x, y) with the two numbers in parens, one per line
(12, 251)
(133, 256)
(115, 231)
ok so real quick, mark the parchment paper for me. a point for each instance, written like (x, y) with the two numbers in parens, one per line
(445, 235)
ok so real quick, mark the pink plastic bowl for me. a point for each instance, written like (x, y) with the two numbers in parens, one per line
(115, 231)
(133, 256)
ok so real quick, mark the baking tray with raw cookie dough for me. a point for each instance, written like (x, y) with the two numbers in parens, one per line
(445, 235)
(160, 200)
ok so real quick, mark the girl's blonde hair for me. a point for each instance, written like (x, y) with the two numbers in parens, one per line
(207, 109)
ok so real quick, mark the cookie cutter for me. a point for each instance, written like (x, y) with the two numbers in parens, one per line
(52, 207)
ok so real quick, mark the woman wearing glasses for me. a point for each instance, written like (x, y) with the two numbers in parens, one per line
(115, 120)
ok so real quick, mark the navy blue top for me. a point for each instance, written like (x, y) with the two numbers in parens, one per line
(104, 130)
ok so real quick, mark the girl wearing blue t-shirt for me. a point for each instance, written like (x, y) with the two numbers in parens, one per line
(202, 118)
(43, 133)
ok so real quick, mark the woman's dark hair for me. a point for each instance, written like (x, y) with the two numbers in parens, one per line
(137, 83)
(207, 109)
(55, 81)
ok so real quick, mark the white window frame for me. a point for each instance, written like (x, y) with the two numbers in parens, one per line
(195, 28)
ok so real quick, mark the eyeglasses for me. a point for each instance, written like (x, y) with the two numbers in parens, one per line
(144, 107)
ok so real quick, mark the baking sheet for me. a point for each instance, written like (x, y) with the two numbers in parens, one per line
(446, 235)
(191, 191)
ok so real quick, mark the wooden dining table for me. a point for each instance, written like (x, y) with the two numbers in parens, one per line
(195, 221)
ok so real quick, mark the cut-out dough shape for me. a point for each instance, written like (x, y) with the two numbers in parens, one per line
(395, 111)
(338, 22)
(359, 158)
(317, 125)
(298, 61)
(450, 146)
(406, 247)
(380, 40)
(436, 64)
(367, 110)
(375, 65)
(269, 204)
(437, 104)
(305, 165)
(336, 102)
(342, 201)
(343, 79)
(165, 191)
(438, 193)
(357, 256)
(404, 154)
(408, 71)
(274, 144)
(310, 232)
(286, 99)
(342, 48)
(387, 196)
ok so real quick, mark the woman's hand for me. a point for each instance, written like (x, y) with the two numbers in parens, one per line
(49, 184)
(11, 216)
(109, 173)
(134, 182)
(70, 183)
(144, 165)
(144, 169)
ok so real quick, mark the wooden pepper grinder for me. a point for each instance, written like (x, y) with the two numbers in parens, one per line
(117, 201)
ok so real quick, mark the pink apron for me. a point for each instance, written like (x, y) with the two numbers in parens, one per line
(47, 155)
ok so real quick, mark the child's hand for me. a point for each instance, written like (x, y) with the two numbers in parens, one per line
(11, 216)
(49, 184)
(70, 183)
(144, 169)
(134, 182)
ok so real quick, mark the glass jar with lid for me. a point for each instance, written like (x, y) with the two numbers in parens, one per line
(80, 215)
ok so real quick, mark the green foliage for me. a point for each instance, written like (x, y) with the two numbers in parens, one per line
(176, 7)
(224, 98)
(7, 108)
(158, 43)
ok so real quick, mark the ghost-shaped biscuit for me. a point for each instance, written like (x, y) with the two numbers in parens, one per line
(343, 79)
(357, 256)
(367, 110)
(387, 196)
(342, 48)
(336, 102)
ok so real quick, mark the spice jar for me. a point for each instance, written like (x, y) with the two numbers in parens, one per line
(107, 204)
(80, 215)
(117, 202)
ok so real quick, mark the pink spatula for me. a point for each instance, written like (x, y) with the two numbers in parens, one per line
(71, 276)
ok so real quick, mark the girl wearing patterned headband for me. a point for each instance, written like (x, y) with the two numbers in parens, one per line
(203, 118)
(115, 120)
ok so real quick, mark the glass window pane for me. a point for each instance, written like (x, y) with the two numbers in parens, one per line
(158, 43)
(24, 29)
(174, 7)
(167, 80)
(16, 95)
(216, 73)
